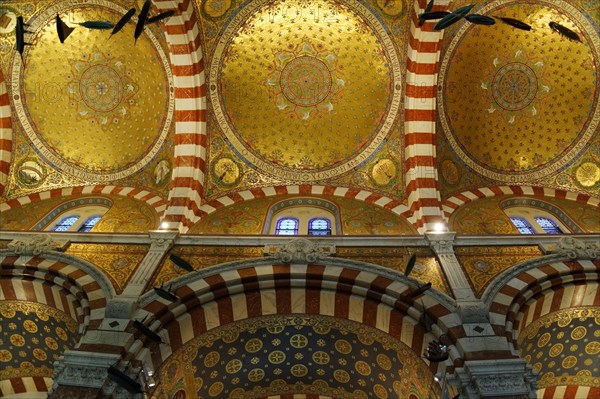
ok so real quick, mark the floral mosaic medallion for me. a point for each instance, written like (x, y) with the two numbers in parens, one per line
(102, 89)
(537, 97)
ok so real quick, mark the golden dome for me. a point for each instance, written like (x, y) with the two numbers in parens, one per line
(97, 107)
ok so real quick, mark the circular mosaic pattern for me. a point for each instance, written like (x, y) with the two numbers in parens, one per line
(305, 81)
(588, 174)
(514, 86)
(296, 359)
(98, 110)
(101, 88)
(562, 347)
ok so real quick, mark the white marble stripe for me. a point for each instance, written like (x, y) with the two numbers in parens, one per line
(239, 304)
(268, 302)
(419, 127)
(317, 189)
(415, 150)
(382, 320)
(269, 191)
(186, 329)
(356, 308)
(327, 303)
(340, 191)
(211, 314)
(298, 300)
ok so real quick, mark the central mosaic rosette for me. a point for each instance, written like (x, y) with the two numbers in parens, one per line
(305, 98)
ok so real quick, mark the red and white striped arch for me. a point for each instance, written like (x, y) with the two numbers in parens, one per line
(183, 36)
(420, 115)
(569, 391)
(60, 281)
(5, 134)
(542, 289)
(24, 385)
(152, 199)
(262, 192)
(57, 283)
(243, 292)
(456, 201)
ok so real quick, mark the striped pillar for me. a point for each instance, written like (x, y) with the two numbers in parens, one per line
(420, 116)
(183, 36)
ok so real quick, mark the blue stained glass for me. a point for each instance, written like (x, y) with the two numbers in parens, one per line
(65, 223)
(319, 227)
(287, 227)
(549, 226)
(89, 223)
(522, 225)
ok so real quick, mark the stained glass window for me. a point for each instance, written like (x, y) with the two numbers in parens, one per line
(522, 225)
(89, 223)
(549, 226)
(287, 227)
(319, 227)
(65, 223)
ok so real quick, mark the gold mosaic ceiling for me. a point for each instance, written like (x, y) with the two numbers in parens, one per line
(93, 105)
(306, 99)
(532, 94)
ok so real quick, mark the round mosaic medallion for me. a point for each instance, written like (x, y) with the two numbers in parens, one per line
(291, 95)
(98, 110)
(514, 86)
(305, 81)
(101, 88)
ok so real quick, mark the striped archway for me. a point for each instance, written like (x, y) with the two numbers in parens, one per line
(59, 282)
(540, 288)
(152, 199)
(354, 291)
(451, 204)
(5, 134)
(369, 197)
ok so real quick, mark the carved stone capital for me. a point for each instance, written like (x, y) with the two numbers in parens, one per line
(299, 250)
(441, 243)
(574, 248)
(83, 369)
(34, 245)
(496, 378)
(162, 240)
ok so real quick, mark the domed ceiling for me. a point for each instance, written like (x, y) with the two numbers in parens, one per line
(93, 105)
(304, 92)
(303, 100)
(94, 109)
(533, 95)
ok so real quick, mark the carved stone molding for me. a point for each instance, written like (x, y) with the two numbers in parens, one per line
(573, 248)
(162, 240)
(90, 369)
(34, 245)
(300, 250)
(496, 378)
(83, 369)
(441, 243)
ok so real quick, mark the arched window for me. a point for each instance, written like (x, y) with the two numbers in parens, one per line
(549, 225)
(65, 223)
(287, 227)
(522, 225)
(89, 223)
(78, 215)
(319, 227)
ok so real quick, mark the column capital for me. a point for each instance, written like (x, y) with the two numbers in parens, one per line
(506, 378)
